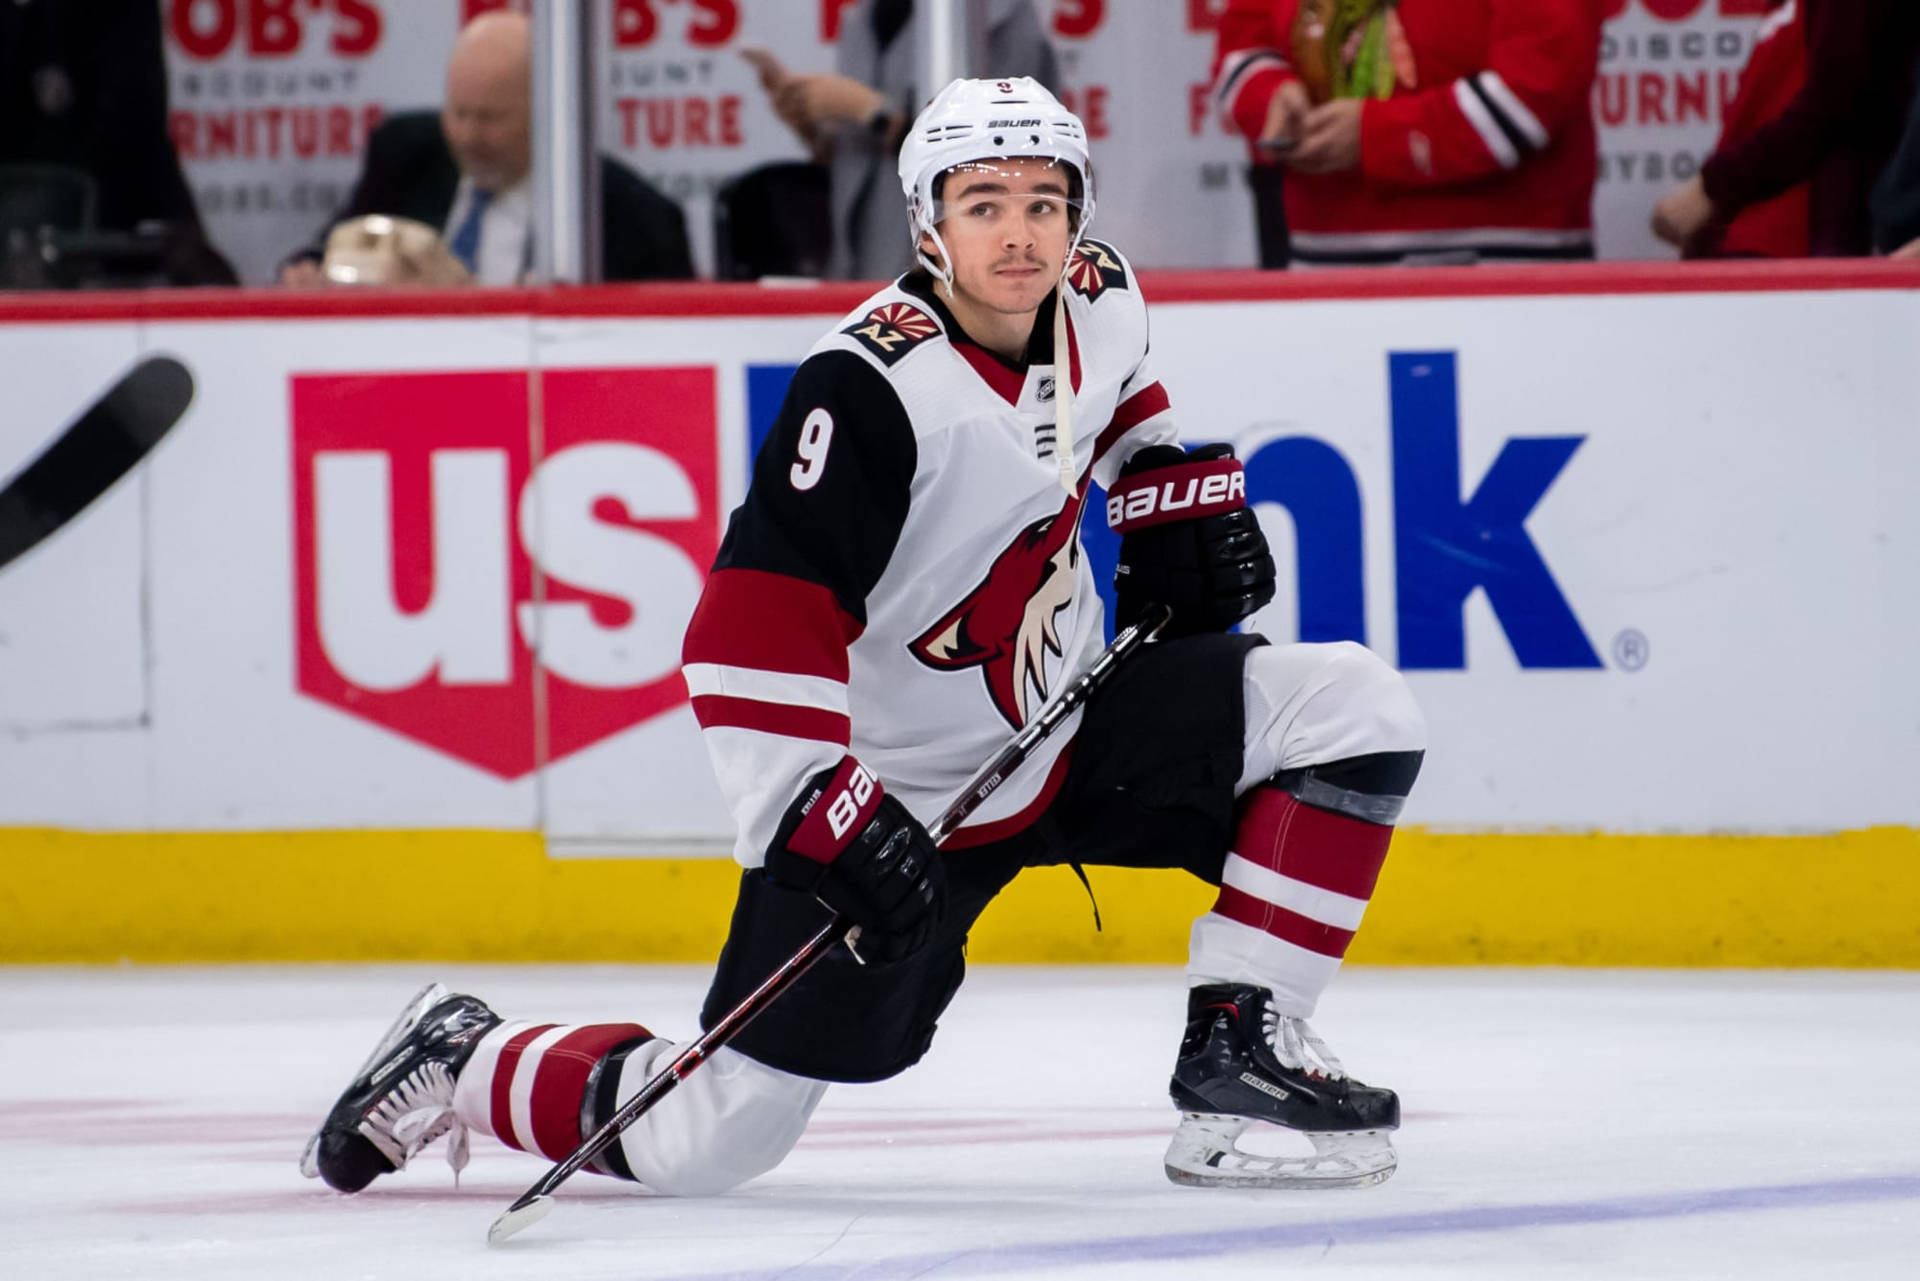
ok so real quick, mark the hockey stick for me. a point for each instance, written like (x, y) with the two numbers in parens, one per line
(106, 442)
(538, 1199)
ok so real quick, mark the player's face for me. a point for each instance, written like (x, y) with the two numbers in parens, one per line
(1006, 224)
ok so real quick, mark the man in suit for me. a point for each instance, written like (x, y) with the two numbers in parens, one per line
(466, 172)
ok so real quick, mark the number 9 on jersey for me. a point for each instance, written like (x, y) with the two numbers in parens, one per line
(816, 434)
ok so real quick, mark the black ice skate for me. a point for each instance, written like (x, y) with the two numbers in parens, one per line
(401, 1099)
(1242, 1061)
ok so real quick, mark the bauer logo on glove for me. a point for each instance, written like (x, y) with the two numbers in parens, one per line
(1198, 489)
(858, 850)
(1188, 540)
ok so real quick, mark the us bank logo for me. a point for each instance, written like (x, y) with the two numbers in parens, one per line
(502, 578)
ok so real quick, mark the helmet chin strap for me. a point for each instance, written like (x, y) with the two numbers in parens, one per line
(1067, 471)
(1063, 391)
(935, 268)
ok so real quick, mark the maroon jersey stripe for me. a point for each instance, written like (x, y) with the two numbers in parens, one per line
(774, 622)
(716, 710)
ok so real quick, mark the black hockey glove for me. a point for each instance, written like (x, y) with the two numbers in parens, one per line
(1188, 540)
(856, 849)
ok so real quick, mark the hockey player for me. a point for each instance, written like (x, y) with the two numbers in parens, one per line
(901, 590)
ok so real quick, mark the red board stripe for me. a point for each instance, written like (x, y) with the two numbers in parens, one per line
(1327, 850)
(833, 300)
(560, 1081)
(1290, 927)
(775, 622)
(502, 1092)
(715, 711)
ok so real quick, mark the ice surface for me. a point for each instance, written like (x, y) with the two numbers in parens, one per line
(1611, 1124)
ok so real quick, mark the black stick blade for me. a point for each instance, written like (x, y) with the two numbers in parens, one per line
(98, 448)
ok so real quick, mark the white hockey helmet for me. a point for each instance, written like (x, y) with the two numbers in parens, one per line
(984, 120)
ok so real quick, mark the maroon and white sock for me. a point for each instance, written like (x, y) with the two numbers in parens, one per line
(526, 1081)
(1295, 886)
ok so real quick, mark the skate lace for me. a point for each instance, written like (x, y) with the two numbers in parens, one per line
(415, 1112)
(1298, 1046)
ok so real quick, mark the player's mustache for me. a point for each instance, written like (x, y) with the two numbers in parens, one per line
(1026, 260)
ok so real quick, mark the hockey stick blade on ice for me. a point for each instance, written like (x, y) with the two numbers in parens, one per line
(537, 1200)
(98, 448)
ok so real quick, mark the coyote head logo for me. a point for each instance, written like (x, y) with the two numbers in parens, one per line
(1005, 625)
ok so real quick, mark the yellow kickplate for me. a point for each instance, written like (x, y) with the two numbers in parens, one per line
(1840, 899)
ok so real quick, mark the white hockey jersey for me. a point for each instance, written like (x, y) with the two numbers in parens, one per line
(904, 582)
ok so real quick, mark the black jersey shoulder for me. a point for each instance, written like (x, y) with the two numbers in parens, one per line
(831, 485)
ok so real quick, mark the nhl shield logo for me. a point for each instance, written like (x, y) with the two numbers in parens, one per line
(1094, 269)
(893, 329)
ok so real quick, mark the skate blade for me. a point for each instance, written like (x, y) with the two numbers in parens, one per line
(1203, 1155)
(416, 1007)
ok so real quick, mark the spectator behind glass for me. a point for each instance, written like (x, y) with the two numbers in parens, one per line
(1775, 73)
(83, 86)
(1896, 198)
(465, 173)
(853, 120)
(1422, 131)
(1837, 134)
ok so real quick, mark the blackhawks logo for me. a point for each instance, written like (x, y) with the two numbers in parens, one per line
(893, 329)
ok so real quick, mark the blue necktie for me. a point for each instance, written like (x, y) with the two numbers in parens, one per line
(466, 241)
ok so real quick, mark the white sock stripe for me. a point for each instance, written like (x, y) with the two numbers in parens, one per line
(1227, 950)
(1518, 114)
(473, 1090)
(520, 1092)
(1325, 906)
(1483, 124)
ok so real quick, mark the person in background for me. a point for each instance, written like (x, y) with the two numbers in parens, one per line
(1837, 134)
(1896, 197)
(83, 86)
(1420, 131)
(853, 119)
(466, 171)
(1775, 73)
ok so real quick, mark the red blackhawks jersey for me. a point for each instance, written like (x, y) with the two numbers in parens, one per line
(904, 581)
(1482, 147)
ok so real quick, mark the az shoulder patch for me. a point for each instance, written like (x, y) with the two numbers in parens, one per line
(1095, 269)
(893, 329)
